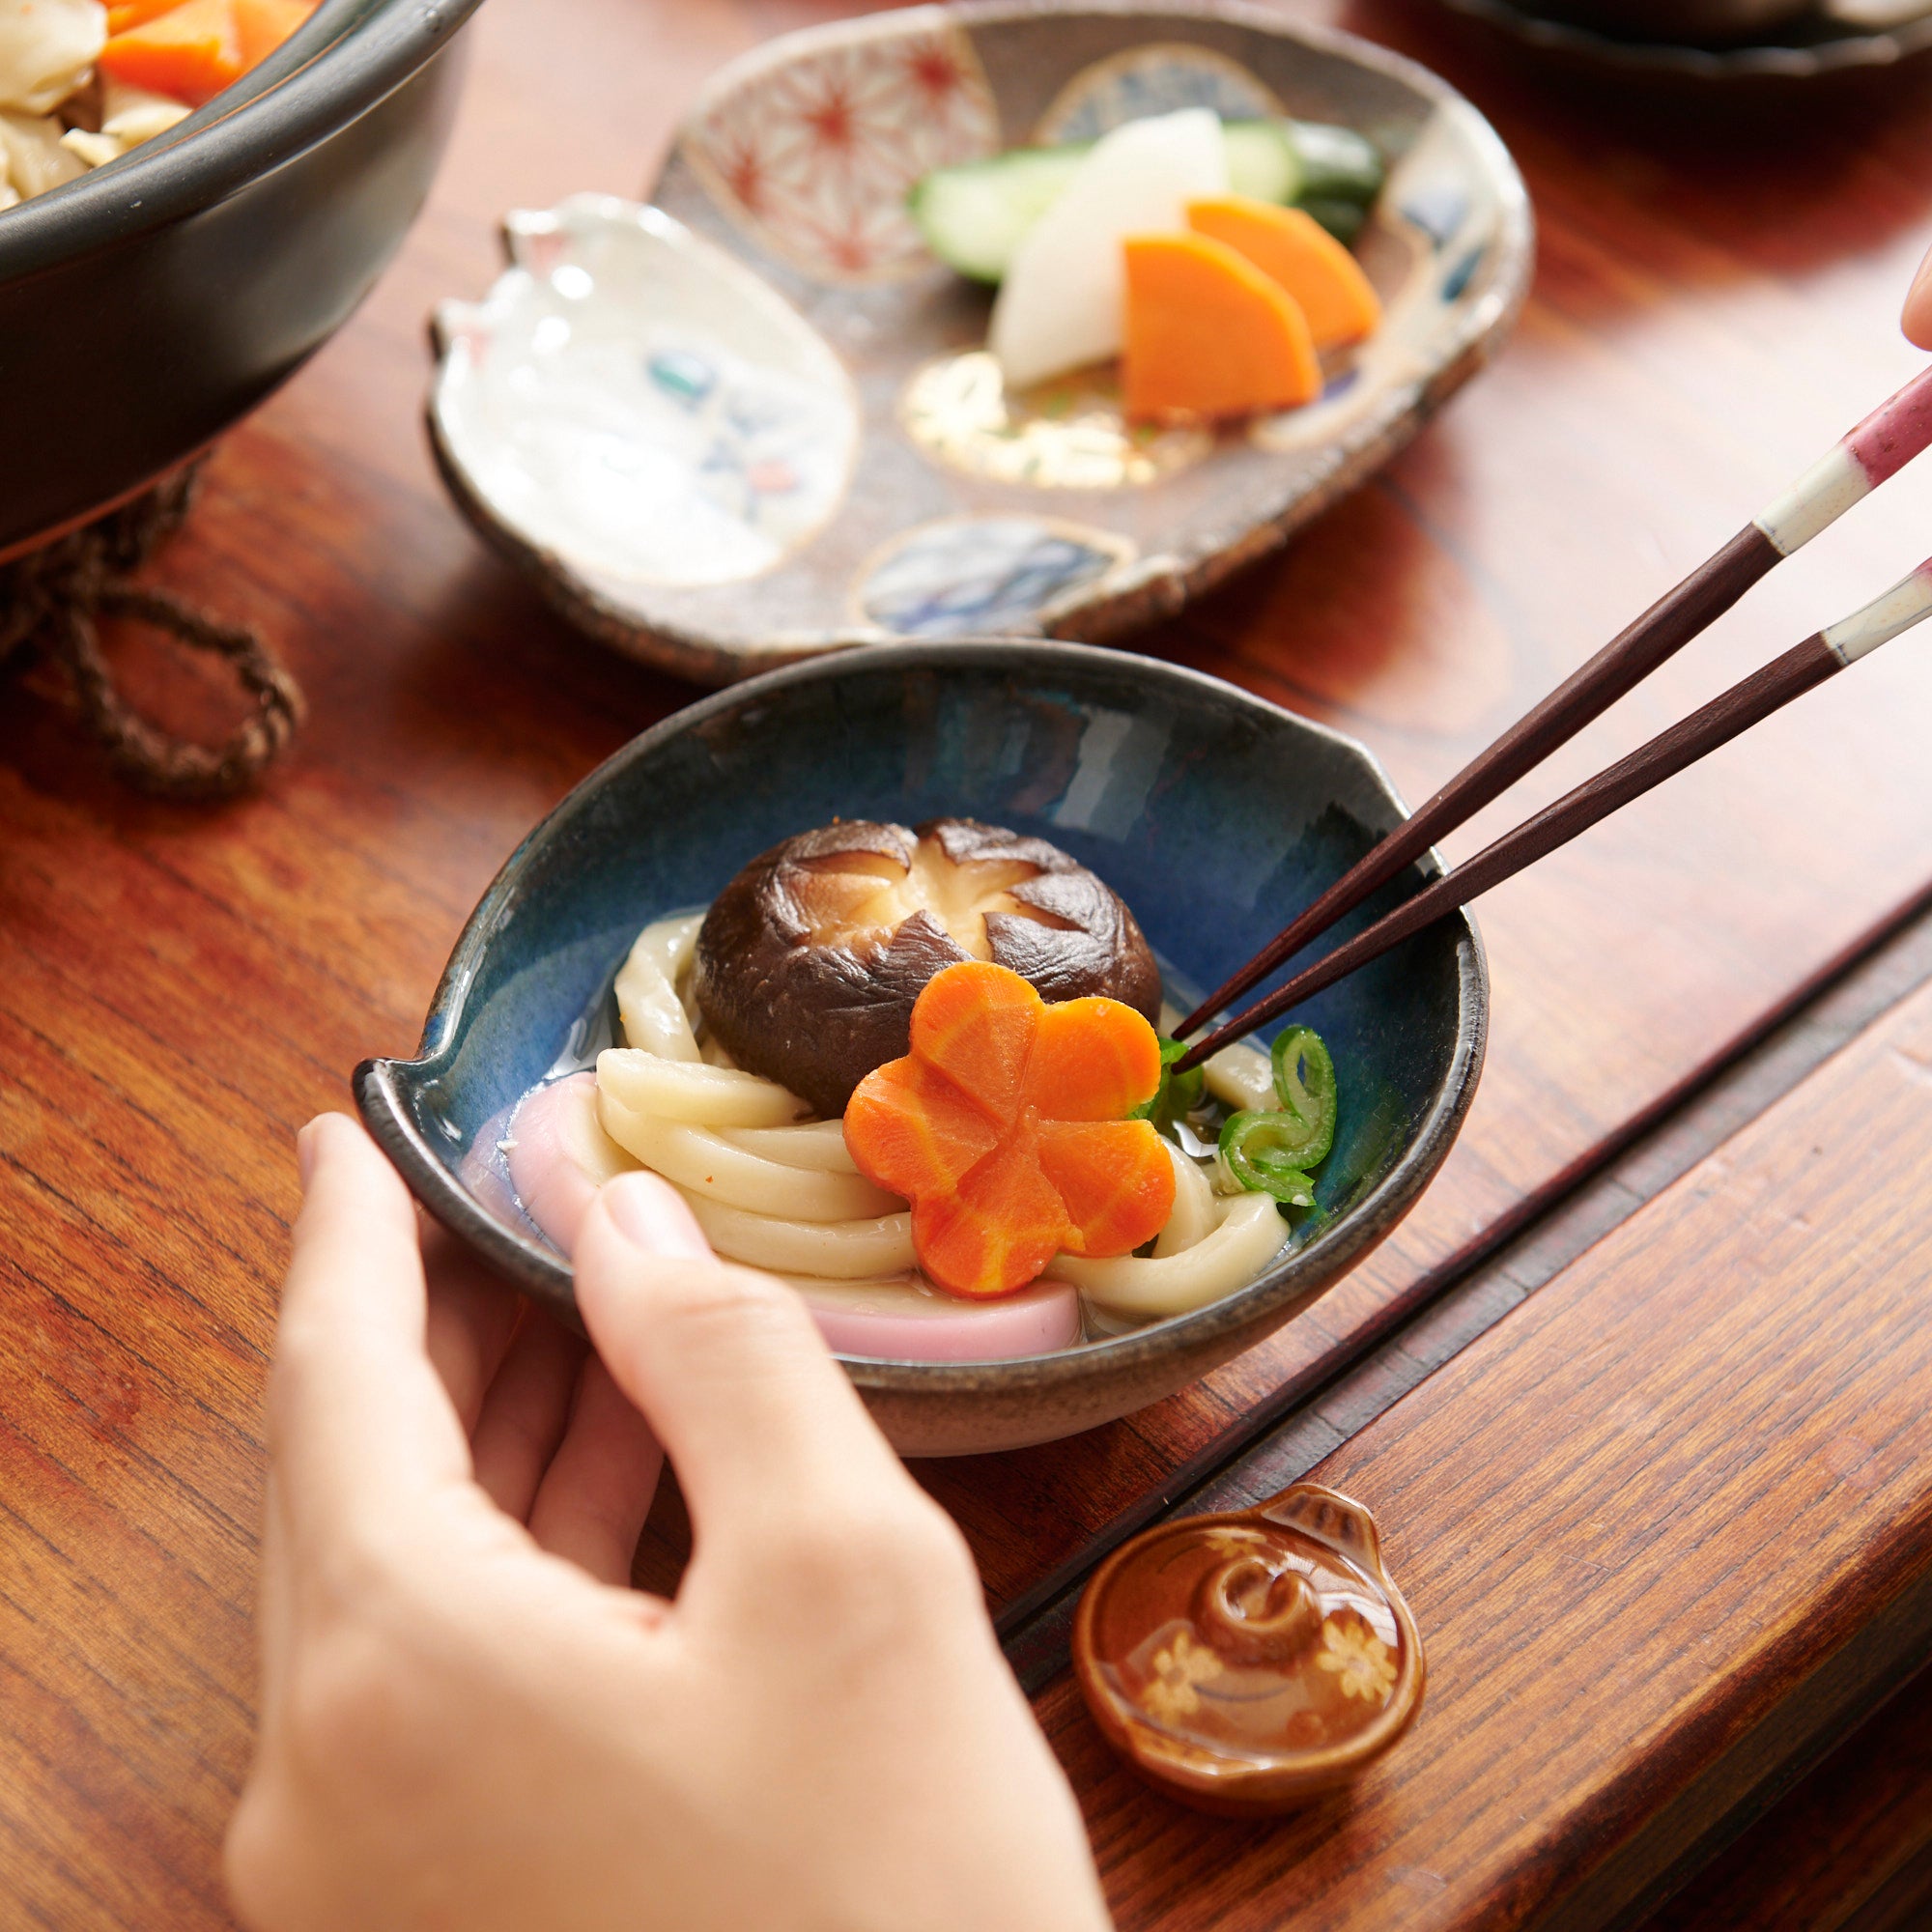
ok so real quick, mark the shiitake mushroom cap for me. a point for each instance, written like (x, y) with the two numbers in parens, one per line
(809, 960)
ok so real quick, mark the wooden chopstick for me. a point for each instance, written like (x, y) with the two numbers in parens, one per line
(1877, 449)
(1821, 656)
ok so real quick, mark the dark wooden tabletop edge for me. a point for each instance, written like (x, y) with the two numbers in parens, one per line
(1846, 1688)
(1281, 1439)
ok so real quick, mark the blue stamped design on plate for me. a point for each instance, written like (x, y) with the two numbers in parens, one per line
(1438, 209)
(980, 574)
(1159, 79)
(683, 376)
(1461, 274)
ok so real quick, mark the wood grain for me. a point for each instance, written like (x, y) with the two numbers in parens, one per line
(1684, 611)
(1849, 1849)
(1731, 713)
(179, 989)
(1665, 1529)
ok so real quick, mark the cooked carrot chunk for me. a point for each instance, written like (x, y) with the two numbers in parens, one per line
(1002, 1127)
(263, 25)
(1115, 1196)
(192, 49)
(125, 13)
(1293, 248)
(1208, 334)
(191, 52)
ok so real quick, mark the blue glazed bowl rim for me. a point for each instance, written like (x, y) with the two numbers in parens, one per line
(381, 1085)
(343, 60)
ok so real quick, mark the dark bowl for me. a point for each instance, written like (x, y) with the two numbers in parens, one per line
(1213, 813)
(1714, 21)
(146, 305)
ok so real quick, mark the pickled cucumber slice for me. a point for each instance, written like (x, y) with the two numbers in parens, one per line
(972, 216)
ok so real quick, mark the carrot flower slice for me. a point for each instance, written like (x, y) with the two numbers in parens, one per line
(1003, 1129)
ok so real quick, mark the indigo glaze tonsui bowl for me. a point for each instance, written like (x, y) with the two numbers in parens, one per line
(1215, 814)
(148, 305)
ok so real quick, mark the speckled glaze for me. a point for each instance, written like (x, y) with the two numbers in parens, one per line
(1212, 813)
(1247, 1663)
(969, 512)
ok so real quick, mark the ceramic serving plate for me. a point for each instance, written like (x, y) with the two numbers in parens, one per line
(754, 420)
(1214, 816)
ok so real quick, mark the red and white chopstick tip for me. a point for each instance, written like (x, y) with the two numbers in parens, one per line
(1903, 606)
(1899, 429)
(1895, 431)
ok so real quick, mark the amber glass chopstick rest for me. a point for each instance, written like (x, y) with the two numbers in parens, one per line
(1247, 1663)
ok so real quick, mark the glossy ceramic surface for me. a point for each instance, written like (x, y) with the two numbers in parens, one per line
(222, 252)
(1210, 811)
(606, 376)
(1247, 1663)
(1808, 43)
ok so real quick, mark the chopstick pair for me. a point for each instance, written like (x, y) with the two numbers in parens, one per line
(1876, 450)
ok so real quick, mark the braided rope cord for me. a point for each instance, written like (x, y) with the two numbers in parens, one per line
(49, 602)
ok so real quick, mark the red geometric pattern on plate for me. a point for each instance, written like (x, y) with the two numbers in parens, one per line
(814, 155)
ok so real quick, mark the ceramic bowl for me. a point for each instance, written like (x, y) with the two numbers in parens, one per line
(1673, 19)
(756, 422)
(1213, 813)
(1807, 43)
(146, 305)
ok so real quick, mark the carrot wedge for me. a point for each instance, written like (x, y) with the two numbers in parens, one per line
(1293, 249)
(1208, 334)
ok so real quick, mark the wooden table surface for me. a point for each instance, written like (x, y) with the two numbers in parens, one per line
(179, 988)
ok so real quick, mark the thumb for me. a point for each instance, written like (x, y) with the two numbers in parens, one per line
(1919, 306)
(725, 1363)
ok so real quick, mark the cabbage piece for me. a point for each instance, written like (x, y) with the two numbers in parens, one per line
(47, 48)
(132, 114)
(30, 156)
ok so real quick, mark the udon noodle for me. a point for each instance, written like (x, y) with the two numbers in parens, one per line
(778, 1189)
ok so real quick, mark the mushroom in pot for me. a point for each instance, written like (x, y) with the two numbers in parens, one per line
(809, 960)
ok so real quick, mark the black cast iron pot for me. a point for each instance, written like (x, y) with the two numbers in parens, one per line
(148, 305)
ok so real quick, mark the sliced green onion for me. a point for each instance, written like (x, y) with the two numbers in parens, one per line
(1177, 1095)
(1259, 1151)
(1304, 1083)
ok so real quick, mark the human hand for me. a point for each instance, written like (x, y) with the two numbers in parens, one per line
(1919, 306)
(469, 1719)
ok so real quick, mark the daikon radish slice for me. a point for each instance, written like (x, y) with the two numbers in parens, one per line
(695, 1093)
(897, 1318)
(1294, 250)
(1060, 307)
(1208, 334)
(559, 1157)
(1250, 1235)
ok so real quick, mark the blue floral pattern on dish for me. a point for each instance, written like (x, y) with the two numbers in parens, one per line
(1159, 79)
(980, 574)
